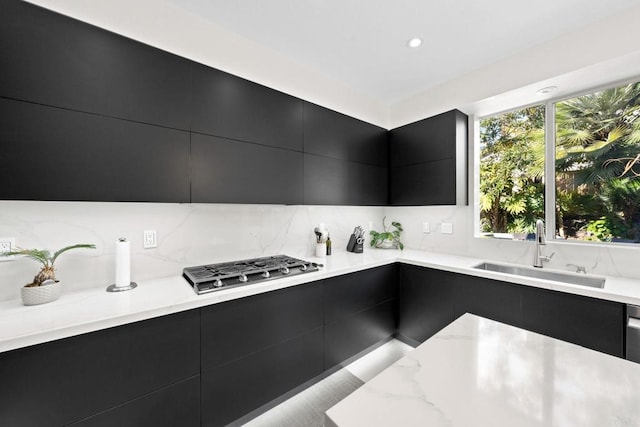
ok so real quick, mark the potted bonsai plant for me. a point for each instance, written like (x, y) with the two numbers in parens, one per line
(44, 287)
(388, 238)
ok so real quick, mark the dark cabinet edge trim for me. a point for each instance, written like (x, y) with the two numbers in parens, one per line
(72, 110)
(408, 165)
(205, 369)
(378, 165)
(128, 402)
(355, 313)
(242, 141)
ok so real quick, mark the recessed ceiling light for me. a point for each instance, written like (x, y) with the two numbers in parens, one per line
(547, 90)
(414, 42)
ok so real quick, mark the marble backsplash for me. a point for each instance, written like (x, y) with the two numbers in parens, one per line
(193, 234)
(605, 259)
(188, 234)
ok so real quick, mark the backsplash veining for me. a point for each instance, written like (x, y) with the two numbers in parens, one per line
(188, 234)
(194, 234)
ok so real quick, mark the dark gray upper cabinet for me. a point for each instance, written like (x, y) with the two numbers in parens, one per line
(228, 106)
(226, 171)
(424, 165)
(330, 181)
(54, 60)
(427, 140)
(430, 183)
(331, 134)
(56, 154)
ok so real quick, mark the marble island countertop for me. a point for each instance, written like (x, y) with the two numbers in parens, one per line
(94, 309)
(477, 372)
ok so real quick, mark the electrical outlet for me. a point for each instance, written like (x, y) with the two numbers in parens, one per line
(150, 239)
(425, 227)
(7, 244)
(446, 228)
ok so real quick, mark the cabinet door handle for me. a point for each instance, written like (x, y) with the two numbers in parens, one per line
(634, 323)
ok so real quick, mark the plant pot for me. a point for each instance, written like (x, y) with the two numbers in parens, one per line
(41, 294)
(386, 244)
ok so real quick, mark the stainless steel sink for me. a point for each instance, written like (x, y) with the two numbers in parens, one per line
(538, 273)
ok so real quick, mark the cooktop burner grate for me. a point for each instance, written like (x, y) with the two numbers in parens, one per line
(214, 277)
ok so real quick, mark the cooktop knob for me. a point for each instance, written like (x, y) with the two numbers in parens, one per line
(265, 274)
(217, 284)
(242, 278)
(284, 270)
(303, 267)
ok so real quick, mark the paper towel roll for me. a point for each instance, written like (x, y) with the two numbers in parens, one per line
(123, 263)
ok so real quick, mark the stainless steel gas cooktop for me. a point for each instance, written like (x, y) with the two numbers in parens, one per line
(215, 277)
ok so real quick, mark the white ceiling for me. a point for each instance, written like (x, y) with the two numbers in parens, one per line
(362, 44)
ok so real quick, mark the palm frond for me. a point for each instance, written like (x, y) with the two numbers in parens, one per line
(68, 248)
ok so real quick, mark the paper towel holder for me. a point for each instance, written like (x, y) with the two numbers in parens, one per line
(114, 287)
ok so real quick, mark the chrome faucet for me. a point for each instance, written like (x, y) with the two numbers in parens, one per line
(541, 240)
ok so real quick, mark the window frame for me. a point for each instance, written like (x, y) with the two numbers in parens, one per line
(549, 162)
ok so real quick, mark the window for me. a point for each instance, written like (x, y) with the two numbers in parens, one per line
(596, 152)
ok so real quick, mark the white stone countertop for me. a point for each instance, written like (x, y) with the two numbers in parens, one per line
(477, 372)
(94, 309)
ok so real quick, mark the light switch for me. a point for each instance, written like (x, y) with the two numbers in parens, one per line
(446, 228)
(425, 227)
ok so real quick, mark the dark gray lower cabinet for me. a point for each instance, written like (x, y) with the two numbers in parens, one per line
(175, 405)
(431, 299)
(426, 299)
(492, 299)
(232, 390)
(257, 348)
(360, 310)
(351, 335)
(74, 378)
(588, 322)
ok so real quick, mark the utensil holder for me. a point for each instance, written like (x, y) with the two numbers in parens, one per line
(321, 250)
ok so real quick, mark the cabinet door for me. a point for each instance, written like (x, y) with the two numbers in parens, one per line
(77, 377)
(432, 183)
(233, 390)
(225, 171)
(251, 324)
(426, 301)
(491, 299)
(56, 154)
(360, 310)
(330, 181)
(588, 322)
(176, 405)
(423, 160)
(331, 134)
(350, 293)
(355, 333)
(51, 59)
(228, 106)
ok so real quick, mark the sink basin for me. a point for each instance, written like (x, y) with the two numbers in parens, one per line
(538, 273)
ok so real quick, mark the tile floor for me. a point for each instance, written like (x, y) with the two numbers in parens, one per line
(307, 408)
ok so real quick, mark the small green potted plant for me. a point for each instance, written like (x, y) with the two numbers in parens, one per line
(389, 238)
(44, 287)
